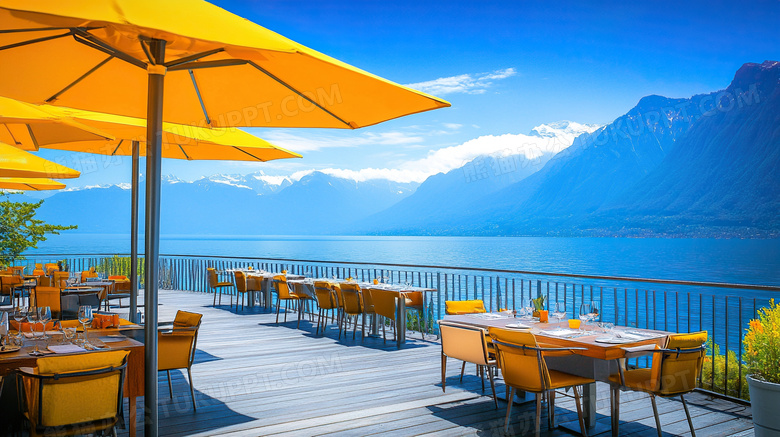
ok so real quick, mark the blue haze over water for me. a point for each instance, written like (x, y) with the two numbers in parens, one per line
(712, 260)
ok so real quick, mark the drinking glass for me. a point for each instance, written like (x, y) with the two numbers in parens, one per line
(559, 311)
(32, 319)
(20, 313)
(585, 311)
(85, 317)
(3, 328)
(44, 315)
(595, 314)
(529, 308)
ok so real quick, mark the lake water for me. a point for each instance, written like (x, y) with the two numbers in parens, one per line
(713, 260)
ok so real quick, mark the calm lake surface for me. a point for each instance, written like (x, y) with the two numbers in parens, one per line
(737, 261)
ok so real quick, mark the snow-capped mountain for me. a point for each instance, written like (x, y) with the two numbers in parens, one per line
(564, 130)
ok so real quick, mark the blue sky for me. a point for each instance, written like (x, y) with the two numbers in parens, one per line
(506, 66)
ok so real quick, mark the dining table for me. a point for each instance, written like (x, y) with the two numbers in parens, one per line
(599, 351)
(113, 338)
(267, 279)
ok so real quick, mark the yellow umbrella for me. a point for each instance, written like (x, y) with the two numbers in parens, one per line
(25, 184)
(129, 57)
(178, 141)
(27, 127)
(220, 69)
(16, 163)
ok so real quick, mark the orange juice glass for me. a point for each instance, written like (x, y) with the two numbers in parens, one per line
(574, 323)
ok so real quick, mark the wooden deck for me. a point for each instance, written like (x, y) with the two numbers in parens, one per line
(253, 377)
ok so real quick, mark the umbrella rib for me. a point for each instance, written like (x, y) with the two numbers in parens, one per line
(34, 41)
(145, 47)
(200, 98)
(32, 188)
(41, 29)
(185, 153)
(90, 40)
(209, 64)
(192, 58)
(244, 151)
(32, 137)
(291, 88)
(83, 76)
(16, 142)
(117, 148)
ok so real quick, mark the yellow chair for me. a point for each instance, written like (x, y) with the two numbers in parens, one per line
(674, 372)
(38, 272)
(60, 279)
(385, 306)
(353, 307)
(91, 273)
(241, 288)
(455, 307)
(48, 297)
(44, 281)
(119, 291)
(218, 286)
(74, 395)
(466, 343)
(8, 284)
(284, 294)
(51, 268)
(524, 367)
(176, 348)
(325, 293)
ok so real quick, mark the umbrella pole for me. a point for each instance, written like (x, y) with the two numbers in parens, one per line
(152, 231)
(134, 238)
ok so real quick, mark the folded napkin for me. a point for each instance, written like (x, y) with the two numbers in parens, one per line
(102, 321)
(66, 349)
(36, 326)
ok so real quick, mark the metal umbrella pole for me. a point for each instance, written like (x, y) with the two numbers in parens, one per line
(134, 237)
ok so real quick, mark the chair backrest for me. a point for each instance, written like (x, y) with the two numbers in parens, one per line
(325, 295)
(118, 278)
(212, 274)
(38, 266)
(38, 272)
(677, 372)
(17, 270)
(48, 297)
(240, 281)
(280, 282)
(88, 274)
(463, 342)
(453, 307)
(7, 282)
(522, 364)
(180, 344)
(60, 275)
(45, 281)
(368, 300)
(384, 302)
(353, 302)
(94, 379)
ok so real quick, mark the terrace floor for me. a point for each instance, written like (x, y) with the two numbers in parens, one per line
(253, 377)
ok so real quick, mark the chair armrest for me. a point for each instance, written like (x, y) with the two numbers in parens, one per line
(638, 351)
(27, 371)
(164, 323)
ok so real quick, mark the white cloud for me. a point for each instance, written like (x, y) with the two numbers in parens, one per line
(453, 126)
(309, 143)
(464, 83)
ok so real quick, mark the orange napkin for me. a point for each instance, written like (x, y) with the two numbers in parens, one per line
(102, 321)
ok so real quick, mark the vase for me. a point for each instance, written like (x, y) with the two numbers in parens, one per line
(764, 401)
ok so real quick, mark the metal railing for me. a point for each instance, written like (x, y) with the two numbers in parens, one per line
(722, 309)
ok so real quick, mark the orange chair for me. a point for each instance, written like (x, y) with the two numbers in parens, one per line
(455, 307)
(51, 268)
(524, 367)
(675, 371)
(119, 291)
(353, 307)
(217, 286)
(176, 347)
(91, 273)
(325, 293)
(468, 344)
(242, 288)
(284, 294)
(60, 279)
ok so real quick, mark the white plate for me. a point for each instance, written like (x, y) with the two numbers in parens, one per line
(517, 326)
(9, 349)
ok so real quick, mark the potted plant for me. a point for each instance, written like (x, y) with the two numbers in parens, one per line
(762, 346)
(538, 305)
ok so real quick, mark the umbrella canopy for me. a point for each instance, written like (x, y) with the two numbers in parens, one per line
(26, 184)
(178, 141)
(16, 163)
(220, 69)
(27, 127)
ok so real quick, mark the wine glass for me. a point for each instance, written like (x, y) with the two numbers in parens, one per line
(85, 317)
(3, 328)
(529, 308)
(585, 311)
(559, 312)
(595, 314)
(32, 319)
(20, 313)
(68, 332)
(44, 315)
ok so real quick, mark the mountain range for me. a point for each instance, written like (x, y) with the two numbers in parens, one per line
(700, 166)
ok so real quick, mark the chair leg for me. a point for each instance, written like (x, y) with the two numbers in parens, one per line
(492, 387)
(170, 386)
(277, 313)
(509, 408)
(551, 409)
(384, 331)
(443, 372)
(462, 370)
(655, 413)
(286, 302)
(688, 415)
(300, 308)
(537, 423)
(578, 401)
(319, 319)
(192, 390)
(481, 370)
(614, 399)
(215, 298)
(354, 330)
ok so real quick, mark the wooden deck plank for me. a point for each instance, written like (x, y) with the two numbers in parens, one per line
(253, 377)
